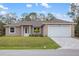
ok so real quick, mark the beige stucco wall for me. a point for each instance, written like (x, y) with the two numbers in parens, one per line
(7, 31)
(45, 30)
(72, 30)
(16, 33)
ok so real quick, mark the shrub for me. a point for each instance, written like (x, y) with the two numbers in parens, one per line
(34, 35)
(2, 29)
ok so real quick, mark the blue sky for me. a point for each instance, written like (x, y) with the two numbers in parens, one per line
(58, 9)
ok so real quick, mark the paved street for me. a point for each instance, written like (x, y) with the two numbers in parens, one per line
(59, 52)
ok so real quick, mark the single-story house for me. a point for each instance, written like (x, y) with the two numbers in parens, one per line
(54, 28)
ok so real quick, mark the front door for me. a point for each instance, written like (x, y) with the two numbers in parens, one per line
(26, 31)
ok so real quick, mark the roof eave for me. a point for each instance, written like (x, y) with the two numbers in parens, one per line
(61, 23)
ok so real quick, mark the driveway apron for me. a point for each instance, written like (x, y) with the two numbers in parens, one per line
(67, 43)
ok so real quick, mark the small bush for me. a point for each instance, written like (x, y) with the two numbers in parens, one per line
(77, 33)
(2, 32)
(33, 35)
(77, 30)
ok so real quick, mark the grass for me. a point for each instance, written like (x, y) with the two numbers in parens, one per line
(27, 43)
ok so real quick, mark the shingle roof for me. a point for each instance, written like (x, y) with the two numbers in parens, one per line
(40, 23)
(58, 21)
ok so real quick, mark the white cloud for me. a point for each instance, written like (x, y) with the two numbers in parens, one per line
(45, 5)
(3, 7)
(3, 12)
(29, 5)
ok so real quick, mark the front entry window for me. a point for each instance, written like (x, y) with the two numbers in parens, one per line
(25, 30)
(36, 29)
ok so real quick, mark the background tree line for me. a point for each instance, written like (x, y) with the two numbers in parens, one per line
(13, 18)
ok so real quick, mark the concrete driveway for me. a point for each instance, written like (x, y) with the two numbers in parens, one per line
(67, 43)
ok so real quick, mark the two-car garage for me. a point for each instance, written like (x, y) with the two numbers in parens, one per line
(59, 30)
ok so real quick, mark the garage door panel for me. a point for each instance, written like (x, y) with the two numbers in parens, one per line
(59, 31)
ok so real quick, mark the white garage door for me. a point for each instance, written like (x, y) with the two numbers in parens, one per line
(59, 30)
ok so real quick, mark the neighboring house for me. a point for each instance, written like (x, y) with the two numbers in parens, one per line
(55, 28)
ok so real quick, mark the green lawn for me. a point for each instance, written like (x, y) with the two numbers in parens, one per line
(27, 43)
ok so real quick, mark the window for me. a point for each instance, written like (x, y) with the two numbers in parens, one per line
(12, 29)
(36, 29)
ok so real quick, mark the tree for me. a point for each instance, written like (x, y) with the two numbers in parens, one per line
(33, 16)
(36, 17)
(42, 17)
(50, 16)
(2, 29)
(77, 28)
(25, 17)
(74, 14)
(8, 18)
(74, 11)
